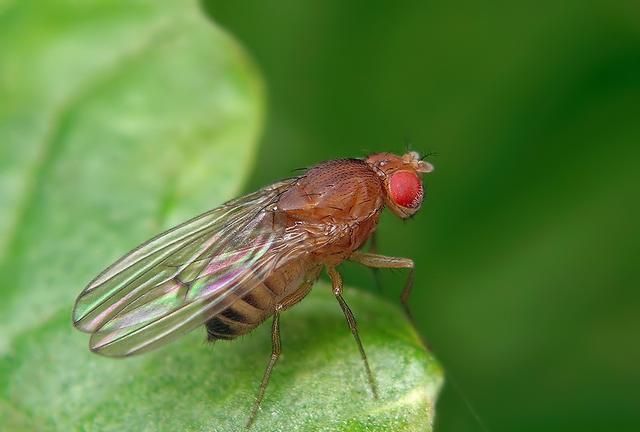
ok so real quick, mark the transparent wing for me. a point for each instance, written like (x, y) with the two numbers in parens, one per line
(180, 279)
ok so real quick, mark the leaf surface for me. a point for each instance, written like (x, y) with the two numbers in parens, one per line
(119, 120)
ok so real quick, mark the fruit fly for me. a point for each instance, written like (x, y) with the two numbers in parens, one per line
(239, 264)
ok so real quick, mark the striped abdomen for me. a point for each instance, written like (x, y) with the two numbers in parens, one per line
(285, 286)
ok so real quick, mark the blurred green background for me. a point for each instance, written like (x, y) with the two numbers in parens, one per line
(527, 245)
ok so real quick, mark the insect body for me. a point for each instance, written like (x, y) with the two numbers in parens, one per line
(251, 258)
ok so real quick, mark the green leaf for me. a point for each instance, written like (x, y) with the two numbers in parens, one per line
(55, 383)
(118, 120)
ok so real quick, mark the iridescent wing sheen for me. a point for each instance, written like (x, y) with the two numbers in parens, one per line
(180, 279)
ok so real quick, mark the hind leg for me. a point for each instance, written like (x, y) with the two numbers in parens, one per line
(275, 354)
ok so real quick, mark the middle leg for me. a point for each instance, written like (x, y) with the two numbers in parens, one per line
(336, 281)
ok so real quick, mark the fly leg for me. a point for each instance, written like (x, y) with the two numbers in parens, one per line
(275, 354)
(381, 261)
(373, 249)
(336, 281)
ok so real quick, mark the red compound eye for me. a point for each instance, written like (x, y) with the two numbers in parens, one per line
(406, 189)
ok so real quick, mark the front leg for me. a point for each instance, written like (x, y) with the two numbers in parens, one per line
(376, 261)
(373, 250)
